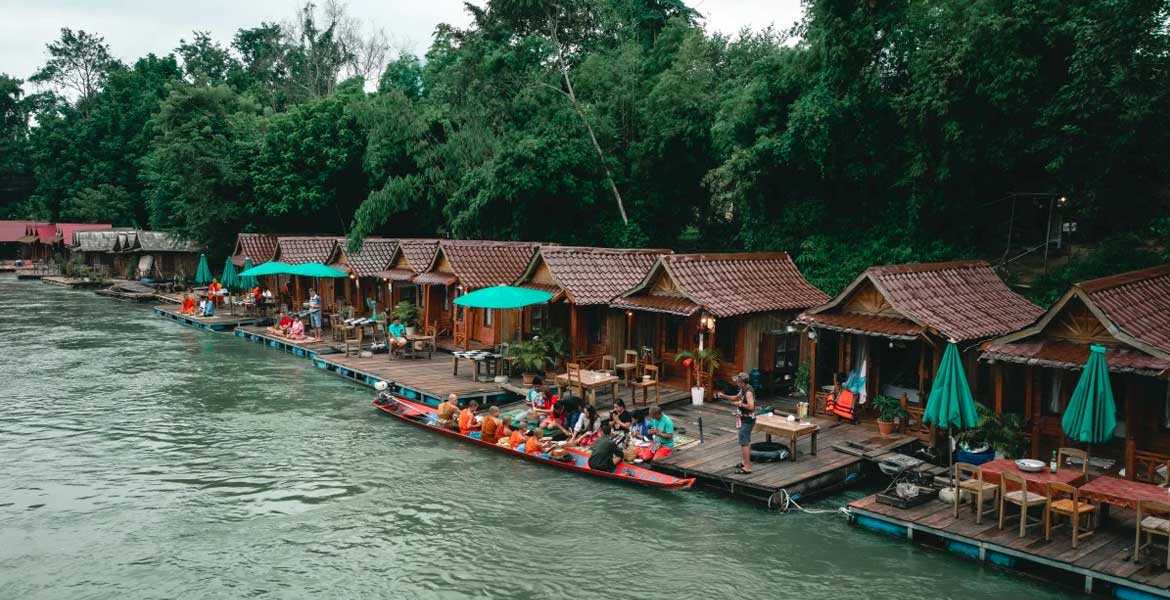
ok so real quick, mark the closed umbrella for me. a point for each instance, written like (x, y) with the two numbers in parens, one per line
(202, 273)
(1091, 415)
(950, 404)
(247, 279)
(230, 278)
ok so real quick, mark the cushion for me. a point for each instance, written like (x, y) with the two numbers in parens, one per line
(1017, 497)
(1065, 505)
(1156, 524)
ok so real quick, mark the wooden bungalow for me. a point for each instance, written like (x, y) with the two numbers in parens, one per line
(159, 255)
(1036, 368)
(11, 233)
(96, 249)
(583, 281)
(891, 325)
(365, 267)
(740, 304)
(461, 266)
(411, 258)
(257, 246)
(38, 241)
(296, 250)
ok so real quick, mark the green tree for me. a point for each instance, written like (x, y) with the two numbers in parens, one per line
(78, 64)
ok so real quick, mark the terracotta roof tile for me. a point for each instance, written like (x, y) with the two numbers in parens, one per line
(397, 274)
(419, 253)
(864, 324)
(257, 246)
(480, 264)
(373, 258)
(300, 250)
(1137, 302)
(735, 284)
(671, 305)
(436, 278)
(1062, 354)
(598, 275)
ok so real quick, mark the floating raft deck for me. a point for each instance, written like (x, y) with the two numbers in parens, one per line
(219, 323)
(74, 282)
(713, 461)
(1100, 564)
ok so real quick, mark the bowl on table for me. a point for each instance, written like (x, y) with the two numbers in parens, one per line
(1030, 465)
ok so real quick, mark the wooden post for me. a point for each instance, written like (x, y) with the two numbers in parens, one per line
(997, 378)
(1033, 407)
(812, 376)
(573, 331)
(629, 329)
(1130, 426)
(921, 372)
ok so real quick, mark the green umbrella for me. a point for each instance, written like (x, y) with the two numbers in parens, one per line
(247, 280)
(202, 273)
(230, 278)
(1091, 415)
(503, 296)
(314, 269)
(274, 267)
(950, 403)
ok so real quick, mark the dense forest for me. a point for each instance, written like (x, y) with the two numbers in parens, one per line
(873, 132)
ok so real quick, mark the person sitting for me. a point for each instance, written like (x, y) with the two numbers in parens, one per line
(606, 455)
(516, 439)
(397, 334)
(215, 291)
(659, 428)
(539, 400)
(555, 425)
(447, 411)
(504, 434)
(256, 295)
(188, 306)
(467, 420)
(208, 307)
(297, 330)
(282, 325)
(532, 445)
(489, 430)
(587, 428)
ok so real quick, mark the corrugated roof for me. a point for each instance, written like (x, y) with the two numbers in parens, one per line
(480, 264)
(373, 258)
(961, 300)
(1065, 354)
(257, 246)
(419, 253)
(594, 275)
(12, 231)
(671, 305)
(66, 230)
(96, 241)
(161, 241)
(300, 249)
(1137, 302)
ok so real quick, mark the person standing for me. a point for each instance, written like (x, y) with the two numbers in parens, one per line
(315, 313)
(745, 419)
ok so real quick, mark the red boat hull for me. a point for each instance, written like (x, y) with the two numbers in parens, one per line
(420, 415)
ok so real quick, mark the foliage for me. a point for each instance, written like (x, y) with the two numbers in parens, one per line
(407, 312)
(553, 341)
(78, 64)
(702, 361)
(1116, 254)
(1003, 433)
(889, 409)
(530, 356)
(801, 380)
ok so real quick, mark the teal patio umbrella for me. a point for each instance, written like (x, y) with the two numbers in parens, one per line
(247, 280)
(950, 403)
(1091, 415)
(274, 267)
(230, 278)
(202, 273)
(314, 269)
(503, 297)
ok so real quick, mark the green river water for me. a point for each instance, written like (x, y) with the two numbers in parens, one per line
(141, 459)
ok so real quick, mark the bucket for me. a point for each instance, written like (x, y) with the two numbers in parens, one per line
(697, 394)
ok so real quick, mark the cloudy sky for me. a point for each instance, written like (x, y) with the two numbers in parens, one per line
(133, 28)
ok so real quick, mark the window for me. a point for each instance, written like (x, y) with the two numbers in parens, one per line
(540, 316)
(408, 292)
(1050, 392)
(673, 325)
(447, 298)
(725, 334)
(488, 317)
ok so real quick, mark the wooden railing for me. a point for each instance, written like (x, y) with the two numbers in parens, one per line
(1146, 464)
(460, 334)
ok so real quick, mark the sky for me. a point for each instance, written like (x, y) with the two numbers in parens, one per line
(134, 28)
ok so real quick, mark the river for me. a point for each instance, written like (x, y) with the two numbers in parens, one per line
(141, 459)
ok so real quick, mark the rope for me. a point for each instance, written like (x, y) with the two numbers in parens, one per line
(782, 500)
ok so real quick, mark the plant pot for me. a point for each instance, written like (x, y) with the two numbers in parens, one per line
(886, 427)
(697, 395)
(411, 330)
(975, 458)
(527, 378)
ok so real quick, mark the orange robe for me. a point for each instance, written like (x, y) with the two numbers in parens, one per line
(466, 421)
(188, 306)
(489, 431)
(516, 439)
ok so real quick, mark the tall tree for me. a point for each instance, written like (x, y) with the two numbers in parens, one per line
(78, 64)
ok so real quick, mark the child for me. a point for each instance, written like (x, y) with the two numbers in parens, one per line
(297, 331)
(467, 418)
(516, 438)
(532, 445)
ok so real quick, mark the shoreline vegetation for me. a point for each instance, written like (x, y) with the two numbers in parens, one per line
(868, 133)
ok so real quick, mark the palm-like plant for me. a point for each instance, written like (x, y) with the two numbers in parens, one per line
(702, 361)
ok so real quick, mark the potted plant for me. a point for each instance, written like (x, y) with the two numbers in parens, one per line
(700, 361)
(890, 412)
(556, 345)
(531, 357)
(801, 380)
(407, 312)
(995, 435)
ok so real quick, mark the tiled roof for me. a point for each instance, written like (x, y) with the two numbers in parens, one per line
(726, 285)
(480, 264)
(1064, 354)
(671, 305)
(419, 252)
(1137, 302)
(161, 241)
(373, 258)
(300, 250)
(12, 231)
(436, 278)
(397, 274)
(962, 300)
(864, 324)
(597, 275)
(257, 246)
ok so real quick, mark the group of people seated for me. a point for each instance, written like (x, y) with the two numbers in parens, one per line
(646, 434)
(205, 307)
(288, 327)
(261, 295)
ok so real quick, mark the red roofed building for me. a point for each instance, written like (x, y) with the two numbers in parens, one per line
(11, 233)
(1037, 367)
(42, 240)
(887, 330)
(739, 304)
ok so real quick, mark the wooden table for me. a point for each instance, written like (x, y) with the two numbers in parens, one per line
(411, 339)
(1037, 482)
(478, 359)
(792, 430)
(590, 381)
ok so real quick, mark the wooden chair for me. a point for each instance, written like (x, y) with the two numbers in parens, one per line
(609, 364)
(1064, 454)
(629, 365)
(379, 336)
(459, 334)
(1065, 500)
(573, 372)
(1146, 522)
(973, 483)
(336, 328)
(1013, 489)
(645, 385)
(504, 350)
(353, 340)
